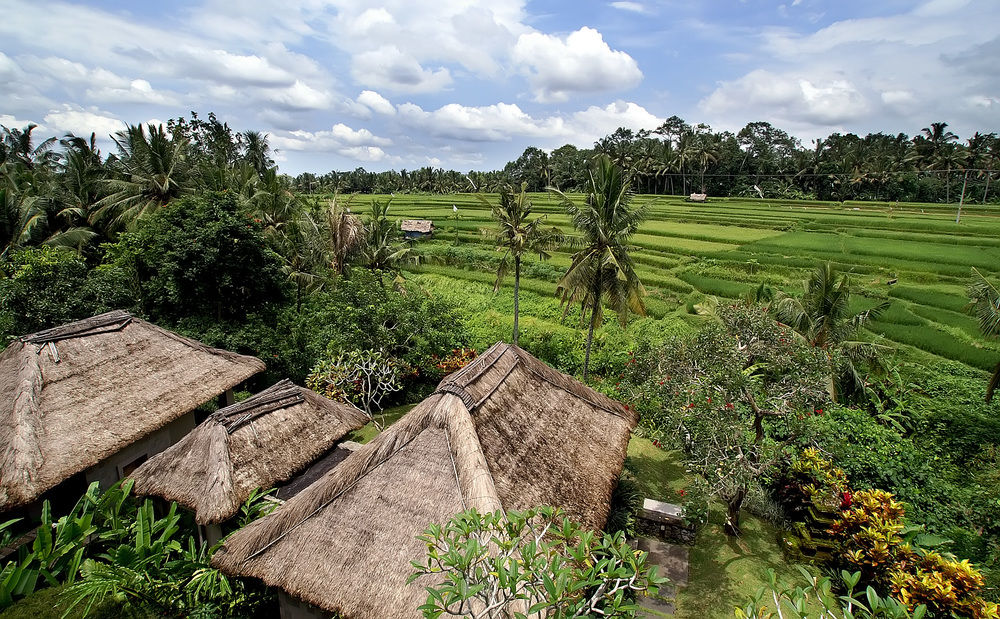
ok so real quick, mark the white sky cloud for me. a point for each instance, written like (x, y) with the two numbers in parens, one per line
(582, 62)
(471, 83)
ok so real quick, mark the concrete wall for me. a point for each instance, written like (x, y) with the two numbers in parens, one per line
(112, 469)
(292, 608)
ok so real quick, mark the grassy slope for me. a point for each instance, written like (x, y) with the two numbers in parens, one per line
(723, 572)
(45, 603)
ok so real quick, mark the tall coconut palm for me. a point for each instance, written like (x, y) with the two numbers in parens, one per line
(344, 233)
(257, 151)
(382, 248)
(603, 270)
(517, 234)
(822, 315)
(151, 171)
(985, 304)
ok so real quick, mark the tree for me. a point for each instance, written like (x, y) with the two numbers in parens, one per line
(382, 248)
(984, 301)
(202, 257)
(344, 234)
(603, 270)
(531, 564)
(363, 378)
(150, 172)
(516, 235)
(531, 168)
(822, 315)
(721, 388)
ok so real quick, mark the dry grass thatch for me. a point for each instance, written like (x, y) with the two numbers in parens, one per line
(74, 395)
(256, 443)
(505, 432)
(424, 226)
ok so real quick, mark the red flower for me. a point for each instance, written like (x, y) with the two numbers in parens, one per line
(846, 499)
(730, 406)
(819, 411)
(710, 400)
(682, 492)
(691, 405)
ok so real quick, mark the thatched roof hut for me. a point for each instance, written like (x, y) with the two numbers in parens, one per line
(416, 227)
(254, 444)
(505, 432)
(76, 394)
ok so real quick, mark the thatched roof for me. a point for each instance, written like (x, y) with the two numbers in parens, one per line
(254, 444)
(73, 395)
(505, 432)
(424, 226)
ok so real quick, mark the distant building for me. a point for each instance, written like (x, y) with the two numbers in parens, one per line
(698, 197)
(92, 400)
(417, 228)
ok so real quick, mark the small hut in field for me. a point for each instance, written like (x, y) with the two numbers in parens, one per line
(416, 228)
(505, 432)
(92, 400)
(257, 443)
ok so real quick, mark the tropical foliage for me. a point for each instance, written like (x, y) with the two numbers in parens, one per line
(536, 563)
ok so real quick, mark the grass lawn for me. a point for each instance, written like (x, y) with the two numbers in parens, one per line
(723, 572)
(388, 417)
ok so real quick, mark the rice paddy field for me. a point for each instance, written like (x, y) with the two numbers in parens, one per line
(913, 255)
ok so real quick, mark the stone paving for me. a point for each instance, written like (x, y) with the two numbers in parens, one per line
(672, 560)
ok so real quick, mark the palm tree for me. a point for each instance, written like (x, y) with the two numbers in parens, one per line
(344, 234)
(985, 304)
(603, 269)
(822, 315)
(381, 249)
(256, 151)
(18, 146)
(517, 234)
(151, 172)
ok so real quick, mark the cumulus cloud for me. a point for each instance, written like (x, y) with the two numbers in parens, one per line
(790, 97)
(506, 121)
(376, 102)
(389, 68)
(359, 144)
(82, 122)
(873, 73)
(582, 62)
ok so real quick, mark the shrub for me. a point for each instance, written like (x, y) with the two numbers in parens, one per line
(538, 558)
(361, 377)
(945, 586)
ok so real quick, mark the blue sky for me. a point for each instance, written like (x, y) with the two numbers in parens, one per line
(462, 84)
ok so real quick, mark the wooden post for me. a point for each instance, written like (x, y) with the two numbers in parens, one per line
(965, 182)
(230, 397)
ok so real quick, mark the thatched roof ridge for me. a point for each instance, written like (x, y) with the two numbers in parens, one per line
(257, 443)
(74, 395)
(498, 434)
(424, 226)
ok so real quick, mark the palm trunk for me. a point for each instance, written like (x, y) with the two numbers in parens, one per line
(961, 200)
(595, 307)
(986, 191)
(947, 186)
(517, 288)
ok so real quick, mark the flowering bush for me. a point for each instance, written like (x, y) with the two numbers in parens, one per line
(457, 359)
(811, 479)
(361, 377)
(870, 535)
(947, 587)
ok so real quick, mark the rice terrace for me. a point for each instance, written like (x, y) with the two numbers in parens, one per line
(913, 255)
